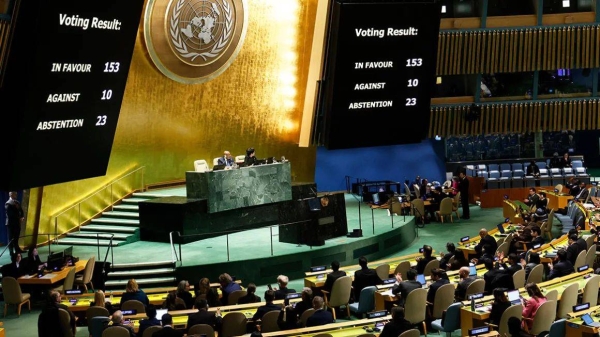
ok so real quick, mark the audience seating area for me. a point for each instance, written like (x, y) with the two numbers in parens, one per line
(511, 175)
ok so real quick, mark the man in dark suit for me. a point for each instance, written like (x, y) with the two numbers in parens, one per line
(364, 277)
(486, 240)
(289, 316)
(117, 320)
(269, 306)
(167, 330)
(321, 316)
(14, 219)
(250, 295)
(203, 316)
(438, 280)
(334, 275)
(405, 287)
(532, 198)
(151, 321)
(573, 249)
(226, 160)
(250, 158)
(425, 259)
(537, 239)
(562, 267)
(465, 281)
(491, 275)
(283, 290)
(463, 187)
(48, 322)
(583, 193)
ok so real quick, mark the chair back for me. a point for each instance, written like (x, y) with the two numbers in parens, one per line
(115, 331)
(590, 242)
(200, 165)
(12, 290)
(580, 261)
(567, 300)
(269, 322)
(89, 270)
(202, 329)
(134, 304)
(444, 297)
(95, 311)
(69, 280)
(416, 301)
(340, 291)
(475, 287)
(536, 274)
(590, 256)
(590, 291)
(504, 247)
(558, 328)
(512, 311)
(519, 279)
(152, 329)
(559, 187)
(431, 265)
(552, 295)
(96, 325)
(234, 324)
(402, 268)
(305, 315)
(407, 192)
(216, 161)
(65, 322)
(410, 333)
(452, 319)
(383, 271)
(544, 317)
(500, 241)
(234, 297)
(417, 189)
(446, 206)
(366, 301)
(419, 205)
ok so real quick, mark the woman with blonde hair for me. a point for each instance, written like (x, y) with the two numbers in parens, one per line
(99, 299)
(133, 292)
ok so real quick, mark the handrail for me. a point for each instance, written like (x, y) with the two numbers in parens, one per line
(25, 236)
(112, 255)
(98, 191)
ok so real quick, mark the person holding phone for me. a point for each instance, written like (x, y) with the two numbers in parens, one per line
(283, 290)
(117, 320)
(290, 314)
(530, 307)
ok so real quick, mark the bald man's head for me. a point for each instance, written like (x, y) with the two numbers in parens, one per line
(464, 272)
(483, 232)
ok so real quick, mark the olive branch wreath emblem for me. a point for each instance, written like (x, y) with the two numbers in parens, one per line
(182, 48)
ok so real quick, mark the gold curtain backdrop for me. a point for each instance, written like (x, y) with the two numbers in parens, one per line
(518, 50)
(165, 125)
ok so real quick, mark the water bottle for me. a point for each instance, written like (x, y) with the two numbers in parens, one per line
(472, 303)
(111, 297)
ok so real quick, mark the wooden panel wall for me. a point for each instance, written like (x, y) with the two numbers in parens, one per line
(506, 118)
(518, 50)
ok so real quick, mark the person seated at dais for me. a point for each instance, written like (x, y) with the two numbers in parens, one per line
(226, 160)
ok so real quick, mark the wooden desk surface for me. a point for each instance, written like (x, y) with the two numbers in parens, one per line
(468, 247)
(51, 278)
(332, 329)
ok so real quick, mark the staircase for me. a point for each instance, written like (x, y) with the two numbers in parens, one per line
(123, 221)
(146, 274)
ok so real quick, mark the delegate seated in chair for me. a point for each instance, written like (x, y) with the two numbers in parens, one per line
(321, 316)
(397, 325)
(49, 322)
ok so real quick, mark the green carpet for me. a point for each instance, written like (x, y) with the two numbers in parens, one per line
(434, 234)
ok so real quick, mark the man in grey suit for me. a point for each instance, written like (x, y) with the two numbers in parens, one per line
(14, 219)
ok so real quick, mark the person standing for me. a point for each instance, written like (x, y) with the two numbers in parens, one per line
(464, 195)
(14, 219)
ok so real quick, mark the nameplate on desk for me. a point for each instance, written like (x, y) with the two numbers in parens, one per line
(583, 268)
(293, 295)
(129, 312)
(317, 268)
(320, 276)
(536, 246)
(580, 307)
(326, 220)
(476, 296)
(479, 331)
(464, 239)
(74, 292)
(377, 314)
(389, 280)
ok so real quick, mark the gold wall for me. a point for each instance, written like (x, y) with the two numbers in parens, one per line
(165, 125)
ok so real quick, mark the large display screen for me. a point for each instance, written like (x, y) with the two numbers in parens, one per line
(380, 72)
(62, 88)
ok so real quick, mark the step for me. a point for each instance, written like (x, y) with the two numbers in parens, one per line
(134, 200)
(137, 273)
(119, 214)
(108, 228)
(143, 281)
(88, 242)
(117, 222)
(126, 208)
(92, 235)
(150, 195)
(135, 265)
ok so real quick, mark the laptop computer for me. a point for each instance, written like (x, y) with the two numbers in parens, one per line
(219, 167)
(514, 297)
(501, 230)
(472, 270)
(421, 279)
(160, 313)
(589, 321)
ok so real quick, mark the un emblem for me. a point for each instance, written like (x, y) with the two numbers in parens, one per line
(194, 41)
